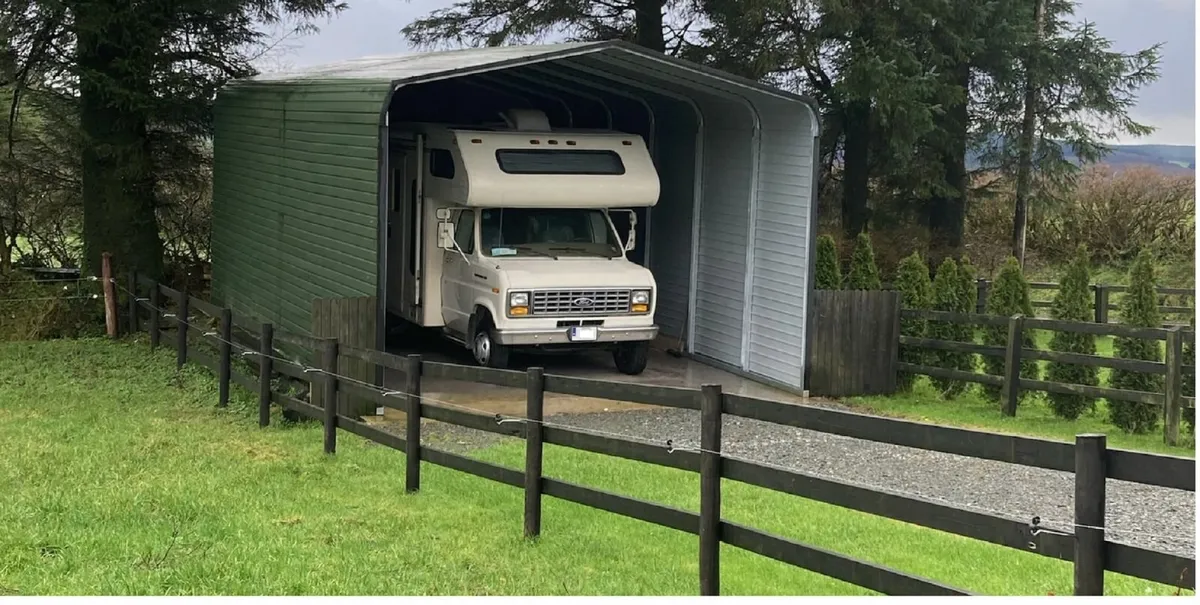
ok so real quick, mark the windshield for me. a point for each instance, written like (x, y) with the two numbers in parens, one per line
(551, 232)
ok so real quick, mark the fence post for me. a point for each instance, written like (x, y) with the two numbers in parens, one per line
(412, 427)
(131, 286)
(1010, 393)
(181, 329)
(110, 295)
(534, 399)
(1090, 473)
(1173, 387)
(225, 350)
(329, 366)
(155, 315)
(710, 490)
(266, 348)
(1101, 303)
(983, 286)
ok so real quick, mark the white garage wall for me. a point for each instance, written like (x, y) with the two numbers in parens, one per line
(724, 236)
(779, 275)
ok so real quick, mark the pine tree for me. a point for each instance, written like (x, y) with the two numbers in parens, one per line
(864, 274)
(1139, 308)
(829, 273)
(968, 297)
(947, 297)
(1009, 296)
(1073, 303)
(916, 292)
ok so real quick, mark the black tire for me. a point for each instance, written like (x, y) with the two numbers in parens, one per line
(631, 357)
(486, 351)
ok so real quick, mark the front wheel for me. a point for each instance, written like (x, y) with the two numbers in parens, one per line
(631, 357)
(489, 353)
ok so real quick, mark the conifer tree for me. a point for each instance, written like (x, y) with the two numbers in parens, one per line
(1009, 296)
(828, 272)
(1139, 308)
(1073, 303)
(946, 297)
(968, 296)
(916, 292)
(864, 274)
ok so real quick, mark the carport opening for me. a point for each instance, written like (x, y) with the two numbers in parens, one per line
(570, 100)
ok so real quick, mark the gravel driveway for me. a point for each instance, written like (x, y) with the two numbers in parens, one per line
(1140, 515)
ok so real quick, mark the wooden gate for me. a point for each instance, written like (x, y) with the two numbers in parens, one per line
(855, 342)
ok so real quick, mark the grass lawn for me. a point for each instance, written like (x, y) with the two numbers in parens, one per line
(122, 478)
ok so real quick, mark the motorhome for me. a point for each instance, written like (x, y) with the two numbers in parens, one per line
(503, 237)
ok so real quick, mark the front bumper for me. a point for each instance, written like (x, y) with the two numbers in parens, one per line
(557, 336)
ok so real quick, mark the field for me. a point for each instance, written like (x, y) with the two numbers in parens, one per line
(126, 480)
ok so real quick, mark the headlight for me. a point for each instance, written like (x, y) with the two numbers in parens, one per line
(639, 301)
(518, 303)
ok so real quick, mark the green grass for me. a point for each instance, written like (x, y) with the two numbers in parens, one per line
(120, 477)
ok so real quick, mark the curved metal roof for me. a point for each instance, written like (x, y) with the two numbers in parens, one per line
(415, 67)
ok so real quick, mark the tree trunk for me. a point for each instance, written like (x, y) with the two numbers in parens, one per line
(6, 252)
(648, 25)
(116, 171)
(856, 169)
(947, 210)
(1025, 149)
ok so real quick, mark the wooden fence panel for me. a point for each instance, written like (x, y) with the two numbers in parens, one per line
(855, 342)
(352, 322)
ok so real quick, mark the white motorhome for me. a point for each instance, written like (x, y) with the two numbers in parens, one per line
(503, 237)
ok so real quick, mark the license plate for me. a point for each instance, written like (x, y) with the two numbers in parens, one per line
(583, 334)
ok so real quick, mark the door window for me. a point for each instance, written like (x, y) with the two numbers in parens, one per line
(464, 231)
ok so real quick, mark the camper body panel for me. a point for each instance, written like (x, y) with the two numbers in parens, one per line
(515, 239)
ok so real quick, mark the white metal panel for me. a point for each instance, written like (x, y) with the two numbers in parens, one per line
(723, 240)
(671, 262)
(779, 270)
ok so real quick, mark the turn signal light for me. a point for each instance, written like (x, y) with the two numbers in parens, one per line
(641, 308)
(518, 311)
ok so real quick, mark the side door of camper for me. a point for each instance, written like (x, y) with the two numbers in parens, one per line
(404, 232)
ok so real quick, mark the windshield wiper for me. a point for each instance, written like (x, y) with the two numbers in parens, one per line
(582, 249)
(537, 252)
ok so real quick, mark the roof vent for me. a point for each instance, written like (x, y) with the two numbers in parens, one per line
(530, 120)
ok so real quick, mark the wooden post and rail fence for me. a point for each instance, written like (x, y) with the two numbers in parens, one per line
(1082, 542)
(1173, 369)
(1102, 304)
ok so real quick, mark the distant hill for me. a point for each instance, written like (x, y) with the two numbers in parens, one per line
(1169, 158)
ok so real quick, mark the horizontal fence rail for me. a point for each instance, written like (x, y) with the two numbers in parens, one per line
(1102, 304)
(261, 367)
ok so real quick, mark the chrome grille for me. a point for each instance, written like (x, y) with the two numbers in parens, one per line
(576, 302)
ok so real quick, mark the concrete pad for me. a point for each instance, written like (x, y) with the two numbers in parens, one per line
(662, 370)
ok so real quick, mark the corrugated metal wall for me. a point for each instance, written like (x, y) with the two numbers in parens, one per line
(724, 232)
(779, 265)
(295, 198)
(671, 233)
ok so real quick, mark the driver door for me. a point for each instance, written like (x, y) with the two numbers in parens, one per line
(456, 299)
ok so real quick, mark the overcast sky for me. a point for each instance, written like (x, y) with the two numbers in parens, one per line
(372, 27)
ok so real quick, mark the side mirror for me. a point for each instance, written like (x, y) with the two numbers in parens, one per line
(445, 235)
(443, 214)
(631, 241)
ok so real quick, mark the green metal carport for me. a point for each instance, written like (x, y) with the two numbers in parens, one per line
(301, 183)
